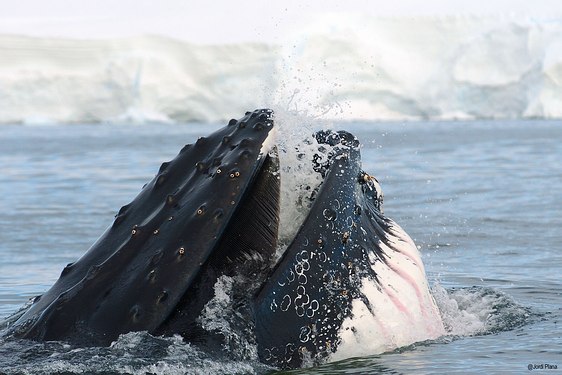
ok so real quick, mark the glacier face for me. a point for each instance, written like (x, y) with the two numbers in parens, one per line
(343, 68)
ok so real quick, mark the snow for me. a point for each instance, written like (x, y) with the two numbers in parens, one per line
(345, 67)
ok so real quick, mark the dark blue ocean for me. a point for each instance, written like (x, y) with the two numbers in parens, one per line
(481, 199)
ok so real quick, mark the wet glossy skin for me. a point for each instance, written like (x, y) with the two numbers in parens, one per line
(313, 286)
(133, 277)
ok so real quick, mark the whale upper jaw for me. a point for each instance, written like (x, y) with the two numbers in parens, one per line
(159, 246)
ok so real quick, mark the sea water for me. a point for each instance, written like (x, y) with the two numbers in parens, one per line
(481, 199)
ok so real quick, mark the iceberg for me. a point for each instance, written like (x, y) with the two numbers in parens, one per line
(346, 67)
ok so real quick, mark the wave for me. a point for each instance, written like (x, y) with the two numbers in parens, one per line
(466, 312)
(342, 68)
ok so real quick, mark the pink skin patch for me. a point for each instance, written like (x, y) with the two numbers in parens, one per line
(396, 301)
(410, 280)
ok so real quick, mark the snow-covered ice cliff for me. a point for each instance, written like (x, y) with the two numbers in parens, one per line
(345, 68)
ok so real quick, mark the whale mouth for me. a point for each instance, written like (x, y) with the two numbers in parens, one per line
(213, 213)
(245, 251)
(249, 248)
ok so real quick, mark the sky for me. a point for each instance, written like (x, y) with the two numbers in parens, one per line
(229, 21)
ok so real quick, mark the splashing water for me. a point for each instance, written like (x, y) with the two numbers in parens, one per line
(477, 311)
(296, 148)
(466, 312)
(224, 315)
(132, 353)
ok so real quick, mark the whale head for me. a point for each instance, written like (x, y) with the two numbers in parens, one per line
(211, 214)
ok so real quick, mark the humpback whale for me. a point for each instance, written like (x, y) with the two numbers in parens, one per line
(350, 276)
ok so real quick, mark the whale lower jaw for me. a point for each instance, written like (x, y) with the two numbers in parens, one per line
(350, 276)
(399, 310)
